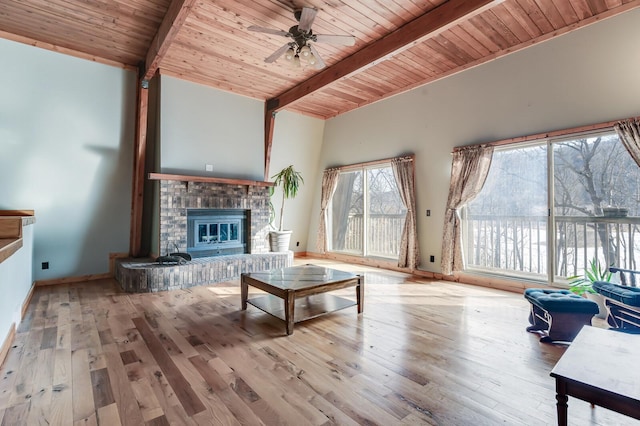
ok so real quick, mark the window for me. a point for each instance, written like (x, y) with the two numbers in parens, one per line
(366, 213)
(548, 208)
(505, 226)
(596, 204)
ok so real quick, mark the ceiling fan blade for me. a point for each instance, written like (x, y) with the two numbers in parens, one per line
(319, 62)
(306, 18)
(269, 31)
(275, 55)
(343, 40)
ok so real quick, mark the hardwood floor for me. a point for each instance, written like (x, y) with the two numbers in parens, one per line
(433, 353)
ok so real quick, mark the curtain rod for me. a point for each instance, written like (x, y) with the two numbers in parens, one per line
(374, 162)
(546, 135)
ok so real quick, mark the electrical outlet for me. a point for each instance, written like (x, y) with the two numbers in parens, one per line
(208, 167)
(45, 265)
(428, 212)
(432, 259)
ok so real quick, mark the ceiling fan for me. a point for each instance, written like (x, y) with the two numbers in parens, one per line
(302, 48)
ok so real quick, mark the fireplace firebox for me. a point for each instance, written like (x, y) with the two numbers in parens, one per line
(217, 232)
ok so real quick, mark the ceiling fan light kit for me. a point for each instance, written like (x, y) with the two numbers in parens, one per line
(305, 51)
(296, 56)
(301, 47)
(291, 53)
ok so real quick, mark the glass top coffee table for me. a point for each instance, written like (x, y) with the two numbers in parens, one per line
(287, 287)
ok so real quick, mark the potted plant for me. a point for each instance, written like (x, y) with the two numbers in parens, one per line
(583, 285)
(290, 181)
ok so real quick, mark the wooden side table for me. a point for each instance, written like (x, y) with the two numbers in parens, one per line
(600, 367)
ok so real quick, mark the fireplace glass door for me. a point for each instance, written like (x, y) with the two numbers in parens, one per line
(210, 233)
(215, 232)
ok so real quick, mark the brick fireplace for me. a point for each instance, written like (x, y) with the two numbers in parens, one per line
(178, 197)
(182, 198)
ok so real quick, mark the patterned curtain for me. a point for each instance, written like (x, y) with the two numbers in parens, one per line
(469, 170)
(629, 133)
(329, 184)
(403, 170)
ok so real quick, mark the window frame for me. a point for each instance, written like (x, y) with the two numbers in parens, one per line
(549, 142)
(363, 168)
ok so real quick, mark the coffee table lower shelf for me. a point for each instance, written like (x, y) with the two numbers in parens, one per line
(305, 308)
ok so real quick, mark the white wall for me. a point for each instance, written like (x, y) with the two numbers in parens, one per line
(66, 144)
(589, 76)
(200, 125)
(297, 140)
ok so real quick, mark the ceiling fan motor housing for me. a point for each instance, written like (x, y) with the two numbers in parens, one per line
(301, 37)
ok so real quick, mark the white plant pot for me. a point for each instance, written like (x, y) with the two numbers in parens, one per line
(599, 299)
(280, 240)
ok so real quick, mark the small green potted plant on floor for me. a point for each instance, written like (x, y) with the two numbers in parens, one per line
(582, 285)
(289, 180)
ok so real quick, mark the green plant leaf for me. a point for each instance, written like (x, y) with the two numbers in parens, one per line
(584, 284)
(290, 181)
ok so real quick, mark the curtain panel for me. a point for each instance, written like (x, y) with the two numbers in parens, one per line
(404, 172)
(469, 170)
(629, 133)
(329, 184)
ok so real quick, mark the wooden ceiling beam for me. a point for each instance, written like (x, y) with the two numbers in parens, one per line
(140, 153)
(169, 27)
(429, 24)
(171, 24)
(433, 22)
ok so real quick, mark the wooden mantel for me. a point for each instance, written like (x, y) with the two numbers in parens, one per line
(188, 178)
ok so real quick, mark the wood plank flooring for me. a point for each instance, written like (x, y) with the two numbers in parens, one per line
(422, 353)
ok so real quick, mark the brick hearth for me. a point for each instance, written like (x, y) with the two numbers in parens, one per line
(176, 196)
(135, 276)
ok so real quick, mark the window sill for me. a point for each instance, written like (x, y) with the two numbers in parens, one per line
(514, 284)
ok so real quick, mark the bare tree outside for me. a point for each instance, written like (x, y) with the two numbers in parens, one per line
(596, 204)
(370, 193)
(506, 223)
(595, 177)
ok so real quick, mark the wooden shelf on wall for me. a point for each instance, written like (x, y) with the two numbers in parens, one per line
(188, 178)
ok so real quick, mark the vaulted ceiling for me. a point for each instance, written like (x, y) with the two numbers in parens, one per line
(400, 44)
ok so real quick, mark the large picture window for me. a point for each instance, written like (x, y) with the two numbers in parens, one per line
(366, 213)
(548, 208)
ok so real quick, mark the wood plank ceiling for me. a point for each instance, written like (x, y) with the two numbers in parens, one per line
(212, 45)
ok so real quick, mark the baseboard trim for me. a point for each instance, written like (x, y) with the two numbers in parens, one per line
(6, 345)
(366, 261)
(27, 300)
(461, 278)
(499, 283)
(112, 261)
(71, 280)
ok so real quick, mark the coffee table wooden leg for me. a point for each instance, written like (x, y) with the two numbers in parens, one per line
(360, 293)
(289, 309)
(244, 292)
(561, 397)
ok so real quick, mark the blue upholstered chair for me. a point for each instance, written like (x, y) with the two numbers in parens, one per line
(622, 300)
(558, 314)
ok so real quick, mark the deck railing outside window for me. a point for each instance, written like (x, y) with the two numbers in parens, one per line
(514, 245)
(383, 240)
